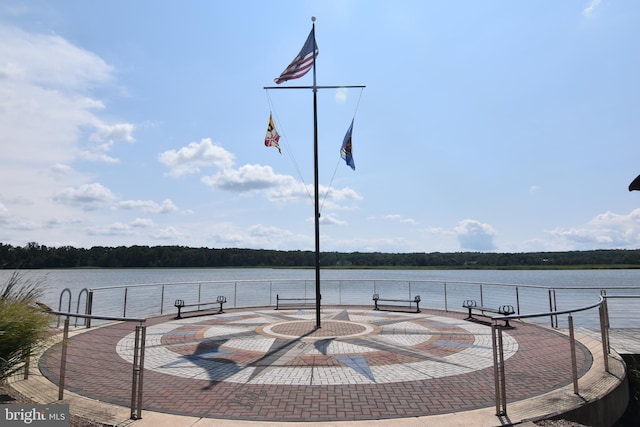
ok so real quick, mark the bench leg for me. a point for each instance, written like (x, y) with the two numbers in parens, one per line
(179, 316)
(375, 305)
(469, 317)
(220, 311)
(417, 307)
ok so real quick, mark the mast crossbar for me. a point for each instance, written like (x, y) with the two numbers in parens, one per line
(315, 87)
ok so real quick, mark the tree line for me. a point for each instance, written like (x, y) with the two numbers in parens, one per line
(36, 256)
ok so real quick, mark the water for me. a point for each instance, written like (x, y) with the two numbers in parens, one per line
(259, 286)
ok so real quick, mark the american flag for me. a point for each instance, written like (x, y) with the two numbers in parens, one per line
(302, 63)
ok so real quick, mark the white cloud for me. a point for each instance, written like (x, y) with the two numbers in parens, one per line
(189, 159)
(44, 87)
(339, 194)
(106, 136)
(112, 133)
(607, 231)
(49, 61)
(4, 212)
(438, 232)
(48, 111)
(400, 218)
(86, 196)
(591, 7)
(141, 223)
(59, 170)
(121, 229)
(258, 236)
(475, 236)
(289, 189)
(278, 187)
(168, 233)
(149, 206)
(246, 178)
(327, 219)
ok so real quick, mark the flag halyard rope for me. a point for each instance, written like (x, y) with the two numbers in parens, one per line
(330, 187)
(287, 146)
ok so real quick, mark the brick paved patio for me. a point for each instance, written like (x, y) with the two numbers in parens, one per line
(268, 365)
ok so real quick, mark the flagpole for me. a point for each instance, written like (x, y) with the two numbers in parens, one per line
(316, 191)
(315, 176)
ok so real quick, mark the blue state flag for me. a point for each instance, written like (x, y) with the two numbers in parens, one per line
(347, 151)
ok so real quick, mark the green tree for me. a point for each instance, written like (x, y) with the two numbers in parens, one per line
(23, 323)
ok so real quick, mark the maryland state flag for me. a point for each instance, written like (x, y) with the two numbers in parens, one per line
(272, 138)
(346, 150)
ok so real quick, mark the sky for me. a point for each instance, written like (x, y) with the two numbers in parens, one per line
(493, 126)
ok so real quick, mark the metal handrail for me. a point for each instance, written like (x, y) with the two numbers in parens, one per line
(620, 296)
(498, 350)
(196, 282)
(98, 317)
(138, 356)
(551, 313)
(345, 283)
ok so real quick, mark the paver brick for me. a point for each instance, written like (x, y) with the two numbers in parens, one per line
(384, 366)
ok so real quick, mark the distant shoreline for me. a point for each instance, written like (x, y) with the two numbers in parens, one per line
(35, 256)
(358, 267)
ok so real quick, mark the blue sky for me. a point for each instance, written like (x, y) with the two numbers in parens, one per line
(496, 126)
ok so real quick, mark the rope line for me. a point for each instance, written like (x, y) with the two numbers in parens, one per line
(292, 157)
(329, 188)
(286, 144)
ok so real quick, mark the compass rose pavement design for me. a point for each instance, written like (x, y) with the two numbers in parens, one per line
(261, 364)
(284, 347)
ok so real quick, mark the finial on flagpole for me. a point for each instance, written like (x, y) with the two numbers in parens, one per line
(313, 19)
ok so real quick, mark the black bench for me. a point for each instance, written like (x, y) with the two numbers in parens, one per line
(180, 305)
(296, 302)
(416, 300)
(504, 310)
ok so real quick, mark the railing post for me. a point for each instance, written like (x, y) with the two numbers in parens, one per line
(83, 291)
(553, 307)
(446, 306)
(64, 291)
(162, 301)
(518, 299)
(498, 370)
(89, 308)
(143, 338)
(124, 308)
(138, 368)
(63, 358)
(574, 365)
(481, 296)
(604, 332)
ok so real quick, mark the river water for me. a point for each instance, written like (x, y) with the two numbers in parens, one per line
(259, 286)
